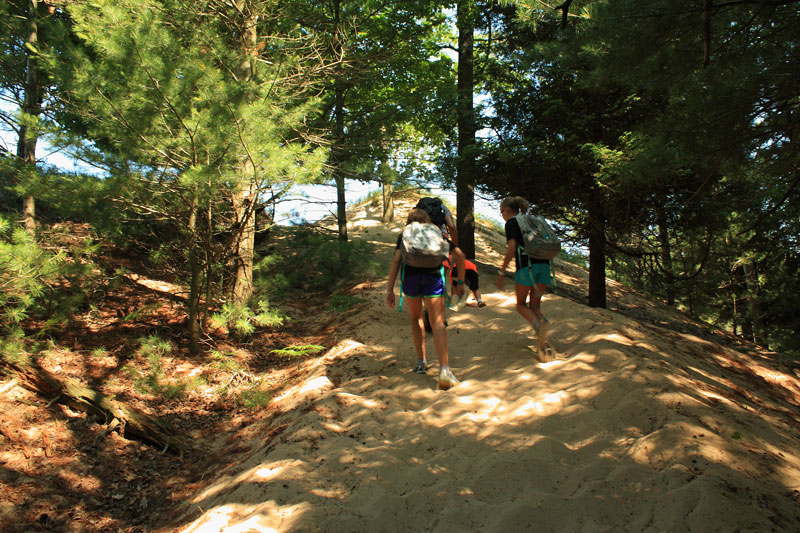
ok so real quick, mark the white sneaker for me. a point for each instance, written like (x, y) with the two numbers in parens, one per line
(446, 378)
(459, 303)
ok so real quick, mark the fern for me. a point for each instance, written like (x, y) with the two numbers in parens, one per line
(298, 350)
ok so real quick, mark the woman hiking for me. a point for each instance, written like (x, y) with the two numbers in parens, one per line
(532, 276)
(426, 285)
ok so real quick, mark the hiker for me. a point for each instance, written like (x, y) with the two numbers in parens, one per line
(532, 275)
(470, 279)
(425, 285)
(440, 216)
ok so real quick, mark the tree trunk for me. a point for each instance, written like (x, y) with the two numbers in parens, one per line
(244, 246)
(753, 302)
(386, 174)
(388, 203)
(341, 201)
(597, 259)
(338, 127)
(245, 196)
(26, 144)
(193, 325)
(465, 170)
(666, 259)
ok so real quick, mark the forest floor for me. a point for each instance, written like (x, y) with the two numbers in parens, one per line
(62, 470)
(646, 421)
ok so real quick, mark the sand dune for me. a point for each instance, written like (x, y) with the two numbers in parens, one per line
(635, 427)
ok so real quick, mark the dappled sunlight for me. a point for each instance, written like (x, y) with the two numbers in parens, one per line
(622, 339)
(552, 365)
(546, 405)
(365, 223)
(503, 299)
(230, 518)
(625, 422)
(318, 384)
(266, 473)
(334, 493)
(583, 359)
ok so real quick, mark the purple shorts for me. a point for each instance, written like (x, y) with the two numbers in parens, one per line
(425, 285)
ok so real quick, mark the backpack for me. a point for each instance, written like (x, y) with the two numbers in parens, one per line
(423, 246)
(435, 209)
(541, 242)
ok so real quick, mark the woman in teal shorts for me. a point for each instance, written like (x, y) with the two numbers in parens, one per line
(532, 276)
(426, 286)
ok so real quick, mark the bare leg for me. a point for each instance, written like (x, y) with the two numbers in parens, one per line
(417, 329)
(477, 294)
(532, 312)
(523, 308)
(435, 307)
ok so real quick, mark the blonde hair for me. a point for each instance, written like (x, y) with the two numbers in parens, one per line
(516, 203)
(418, 215)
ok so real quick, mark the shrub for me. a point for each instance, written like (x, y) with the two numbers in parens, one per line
(316, 262)
(243, 320)
(154, 379)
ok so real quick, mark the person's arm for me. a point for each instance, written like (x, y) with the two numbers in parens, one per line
(511, 251)
(451, 226)
(393, 270)
(460, 271)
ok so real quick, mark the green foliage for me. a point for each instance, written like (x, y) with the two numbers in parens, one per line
(152, 351)
(99, 352)
(40, 281)
(137, 313)
(12, 348)
(253, 398)
(243, 320)
(343, 302)
(225, 361)
(315, 262)
(298, 350)
(153, 348)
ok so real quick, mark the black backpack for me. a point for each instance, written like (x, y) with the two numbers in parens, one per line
(434, 207)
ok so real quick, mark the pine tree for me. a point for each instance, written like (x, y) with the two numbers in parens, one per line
(204, 106)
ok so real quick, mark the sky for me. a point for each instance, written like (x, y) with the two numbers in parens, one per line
(305, 203)
(313, 202)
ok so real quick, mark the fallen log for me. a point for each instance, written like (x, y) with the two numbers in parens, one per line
(133, 423)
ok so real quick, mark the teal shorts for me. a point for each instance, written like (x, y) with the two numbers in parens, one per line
(539, 272)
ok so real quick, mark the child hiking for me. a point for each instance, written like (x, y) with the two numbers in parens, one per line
(532, 275)
(418, 259)
(470, 279)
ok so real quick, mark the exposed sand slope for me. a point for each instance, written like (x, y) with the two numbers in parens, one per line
(634, 428)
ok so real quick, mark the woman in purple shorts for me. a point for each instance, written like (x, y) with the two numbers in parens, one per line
(427, 285)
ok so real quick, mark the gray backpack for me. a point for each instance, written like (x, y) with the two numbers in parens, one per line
(541, 242)
(422, 245)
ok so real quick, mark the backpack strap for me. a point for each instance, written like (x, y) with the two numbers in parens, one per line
(444, 287)
(520, 251)
(402, 279)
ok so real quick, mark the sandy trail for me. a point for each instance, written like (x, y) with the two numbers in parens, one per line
(633, 428)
